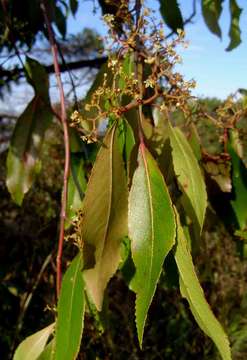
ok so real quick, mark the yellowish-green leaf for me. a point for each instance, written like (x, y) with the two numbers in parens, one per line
(192, 291)
(188, 174)
(49, 352)
(105, 216)
(70, 313)
(211, 10)
(23, 157)
(32, 346)
(151, 230)
(235, 32)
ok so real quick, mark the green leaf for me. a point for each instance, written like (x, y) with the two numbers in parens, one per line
(189, 175)
(60, 21)
(235, 32)
(151, 231)
(105, 216)
(38, 78)
(76, 186)
(239, 183)
(32, 346)
(23, 157)
(73, 6)
(49, 352)
(70, 317)
(211, 11)
(192, 291)
(171, 14)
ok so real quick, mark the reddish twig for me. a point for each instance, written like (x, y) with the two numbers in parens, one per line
(54, 50)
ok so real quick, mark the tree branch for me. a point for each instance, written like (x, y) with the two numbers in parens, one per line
(54, 50)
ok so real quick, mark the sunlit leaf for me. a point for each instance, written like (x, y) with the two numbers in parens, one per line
(211, 10)
(105, 216)
(23, 161)
(49, 352)
(171, 14)
(151, 231)
(188, 174)
(192, 291)
(235, 32)
(70, 313)
(32, 346)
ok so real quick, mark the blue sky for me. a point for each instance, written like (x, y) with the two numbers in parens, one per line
(217, 72)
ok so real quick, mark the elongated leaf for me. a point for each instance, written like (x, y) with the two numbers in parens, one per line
(192, 291)
(235, 32)
(211, 11)
(38, 78)
(151, 231)
(49, 352)
(188, 173)
(105, 216)
(239, 182)
(70, 317)
(73, 6)
(171, 14)
(23, 157)
(32, 346)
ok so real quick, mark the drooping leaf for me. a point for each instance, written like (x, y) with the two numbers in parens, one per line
(192, 291)
(32, 346)
(235, 32)
(49, 351)
(211, 11)
(23, 157)
(171, 14)
(60, 21)
(151, 231)
(239, 182)
(38, 78)
(188, 174)
(76, 186)
(105, 216)
(70, 313)
(73, 6)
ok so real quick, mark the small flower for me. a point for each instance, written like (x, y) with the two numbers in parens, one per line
(149, 83)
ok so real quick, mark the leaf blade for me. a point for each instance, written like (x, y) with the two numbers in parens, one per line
(191, 289)
(188, 173)
(147, 211)
(33, 345)
(105, 216)
(211, 11)
(71, 307)
(234, 32)
(171, 14)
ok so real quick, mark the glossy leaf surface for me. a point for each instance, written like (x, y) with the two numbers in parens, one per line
(70, 313)
(32, 346)
(188, 173)
(211, 10)
(192, 291)
(235, 32)
(105, 216)
(151, 231)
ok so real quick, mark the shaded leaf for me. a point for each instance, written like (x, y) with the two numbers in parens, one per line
(70, 313)
(171, 14)
(235, 32)
(188, 173)
(60, 21)
(23, 157)
(211, 11)
(239, 182)
(32, 346)
(105, 216)
(73, 6)
(151, 231)
(192, 291)
(38, 78)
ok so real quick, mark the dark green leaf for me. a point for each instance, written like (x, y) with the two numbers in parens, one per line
(211, 10)
(235, 32)
(171, 14)
(188, 173)
(60, 21)
(73, 6)
(70, 313)
(151, 231)
(23, 157)
(192, 291)
(38, 78)
(32, 346)
(105, 216)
